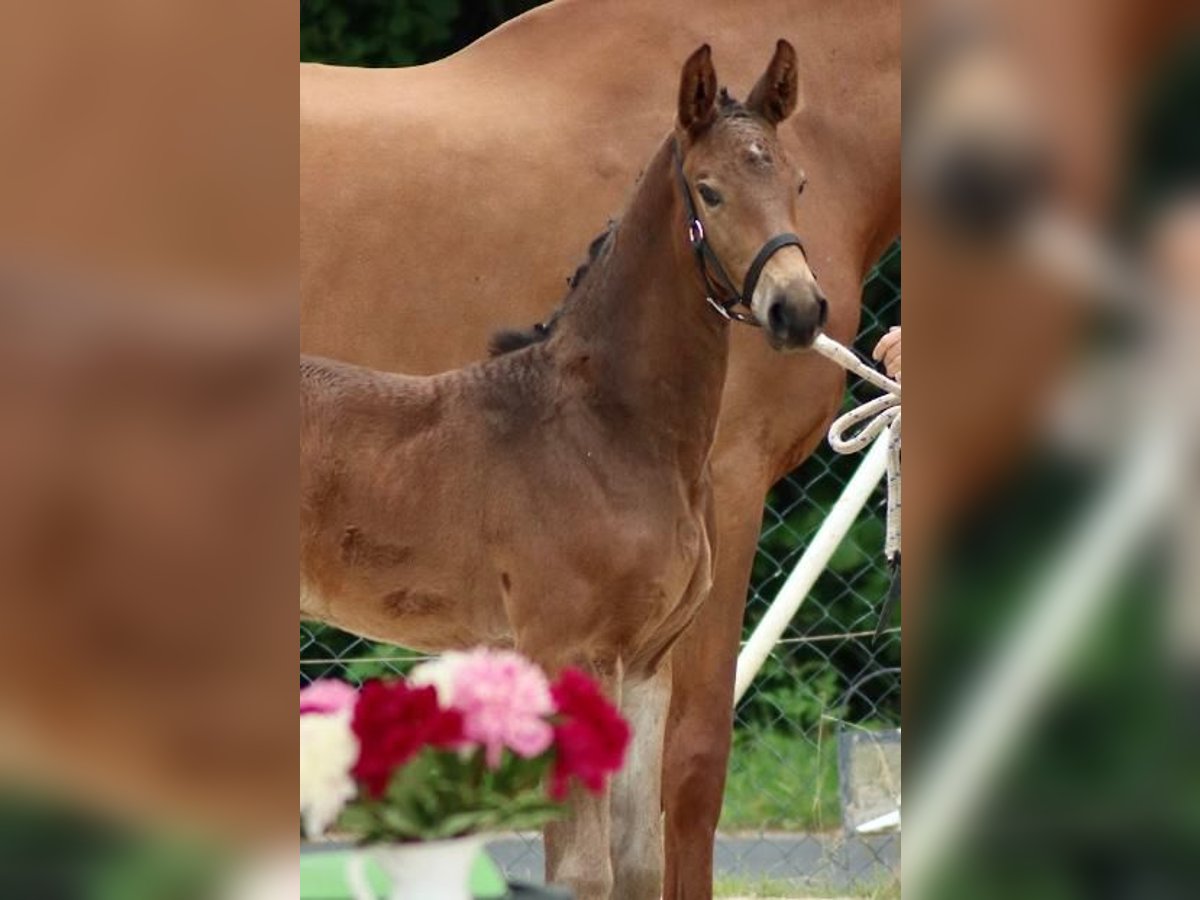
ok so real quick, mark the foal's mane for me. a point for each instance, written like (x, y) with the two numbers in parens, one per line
(509, 340)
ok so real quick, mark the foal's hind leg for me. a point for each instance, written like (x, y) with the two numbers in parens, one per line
(637, 833)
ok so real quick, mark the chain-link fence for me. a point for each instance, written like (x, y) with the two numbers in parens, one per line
(783, 815)
(827, 675)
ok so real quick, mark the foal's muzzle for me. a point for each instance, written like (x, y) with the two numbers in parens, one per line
(794, 318)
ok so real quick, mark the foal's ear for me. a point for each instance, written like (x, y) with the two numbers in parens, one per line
(777, 92)
(697, 91)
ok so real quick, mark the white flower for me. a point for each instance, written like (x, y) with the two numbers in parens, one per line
(440, 673)
(328, 750)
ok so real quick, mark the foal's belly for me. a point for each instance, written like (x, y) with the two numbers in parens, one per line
(431, 614)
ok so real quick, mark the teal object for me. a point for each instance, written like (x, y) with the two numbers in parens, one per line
(323, 877)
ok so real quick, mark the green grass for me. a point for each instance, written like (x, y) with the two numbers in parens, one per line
(785, 782)
(725, 886)
(781, 782)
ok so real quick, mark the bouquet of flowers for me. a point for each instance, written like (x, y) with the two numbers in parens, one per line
(469, 743)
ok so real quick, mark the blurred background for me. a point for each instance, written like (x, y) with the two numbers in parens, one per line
(148, 337)
(1052, 154)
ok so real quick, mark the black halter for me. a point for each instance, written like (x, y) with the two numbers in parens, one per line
(711, 267)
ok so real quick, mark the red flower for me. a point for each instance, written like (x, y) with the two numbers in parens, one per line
(395, 721)
(590, 737)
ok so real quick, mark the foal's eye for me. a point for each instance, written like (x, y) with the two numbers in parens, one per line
(709, 196)
(803, 184)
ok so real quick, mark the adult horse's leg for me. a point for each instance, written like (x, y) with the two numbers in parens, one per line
(637, 839)
(699, 727)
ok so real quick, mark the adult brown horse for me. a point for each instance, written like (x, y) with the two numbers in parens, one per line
(441, 202)
(558, 498)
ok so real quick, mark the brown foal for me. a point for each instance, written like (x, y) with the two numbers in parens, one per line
(557, 498)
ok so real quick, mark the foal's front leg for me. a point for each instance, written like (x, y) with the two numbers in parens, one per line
(637, 834)
(577, 847)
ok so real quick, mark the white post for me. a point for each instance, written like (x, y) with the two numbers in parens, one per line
(816, 557)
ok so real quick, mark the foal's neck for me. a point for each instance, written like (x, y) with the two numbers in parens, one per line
(639, 340)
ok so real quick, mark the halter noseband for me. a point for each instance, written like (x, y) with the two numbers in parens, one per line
(710, 265)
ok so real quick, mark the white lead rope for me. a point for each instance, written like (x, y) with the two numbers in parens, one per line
(854, 430)
(882, 460)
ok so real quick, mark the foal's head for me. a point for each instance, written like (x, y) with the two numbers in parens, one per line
(746, 191)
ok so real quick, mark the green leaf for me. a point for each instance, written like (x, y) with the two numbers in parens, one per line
(401, 822)
(462, 823)
(356, 819)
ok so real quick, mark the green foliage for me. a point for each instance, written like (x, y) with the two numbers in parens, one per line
(55, 849)
(443, 794)
(781, 781)
(156, 869)
(804, 702)
(326, 652)
(396, 32)
(374, 32)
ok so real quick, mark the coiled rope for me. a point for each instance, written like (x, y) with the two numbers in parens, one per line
(853, 431)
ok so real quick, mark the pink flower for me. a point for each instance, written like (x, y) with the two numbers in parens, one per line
(327, 695)
(504, 700)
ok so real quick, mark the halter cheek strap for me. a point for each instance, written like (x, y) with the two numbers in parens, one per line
(710, 266)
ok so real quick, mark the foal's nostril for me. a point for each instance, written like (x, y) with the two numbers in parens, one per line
(822, 310)
(792, 322)
(777, 317)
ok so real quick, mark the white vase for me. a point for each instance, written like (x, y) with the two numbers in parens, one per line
(433, 870)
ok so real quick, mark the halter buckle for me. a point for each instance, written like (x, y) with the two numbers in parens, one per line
(744, 319)
(719, 308)
(696, 235)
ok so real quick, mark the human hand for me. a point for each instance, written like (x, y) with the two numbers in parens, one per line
(888, 351)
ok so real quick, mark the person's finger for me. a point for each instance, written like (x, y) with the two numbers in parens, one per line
(886, 343)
